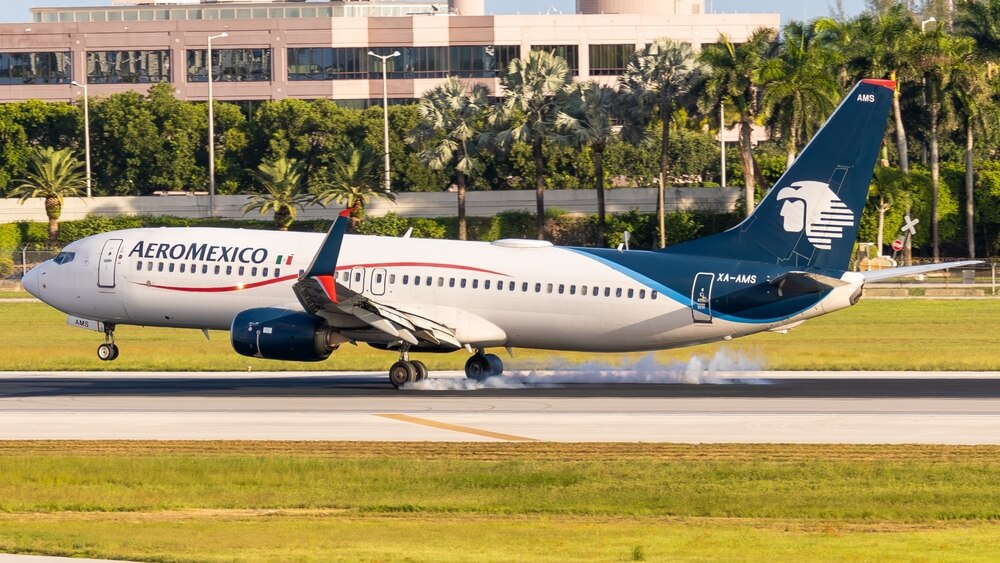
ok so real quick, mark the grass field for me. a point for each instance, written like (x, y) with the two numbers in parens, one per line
(874, 335)
(280, 501)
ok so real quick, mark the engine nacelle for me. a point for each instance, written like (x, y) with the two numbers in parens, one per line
(280, 334)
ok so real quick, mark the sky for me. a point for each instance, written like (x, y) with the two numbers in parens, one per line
(17, 10)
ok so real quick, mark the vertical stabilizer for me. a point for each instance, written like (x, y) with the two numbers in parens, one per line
(810, 218)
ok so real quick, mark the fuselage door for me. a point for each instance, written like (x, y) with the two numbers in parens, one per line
(701, 298)
(357, 282)
(378, 281)
(109, 260)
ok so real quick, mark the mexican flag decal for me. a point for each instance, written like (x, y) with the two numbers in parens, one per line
(287, 259)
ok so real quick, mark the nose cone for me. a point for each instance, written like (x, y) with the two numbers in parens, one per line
(30, 281)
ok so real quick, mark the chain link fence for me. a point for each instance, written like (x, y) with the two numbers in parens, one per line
(14, 262)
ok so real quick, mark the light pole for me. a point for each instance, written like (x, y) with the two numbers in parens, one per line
(211, 129)
(86, 130)
(385, 111)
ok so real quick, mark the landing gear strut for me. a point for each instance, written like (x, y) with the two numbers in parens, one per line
(481, 366)
(109, 350)
(405, 371)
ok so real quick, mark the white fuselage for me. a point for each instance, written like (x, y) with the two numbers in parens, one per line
(513, 293)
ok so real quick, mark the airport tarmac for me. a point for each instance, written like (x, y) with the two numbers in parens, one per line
(575, 406)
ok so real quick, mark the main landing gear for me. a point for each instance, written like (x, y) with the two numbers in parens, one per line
(109, 350)
(405, 371)
(481, 366)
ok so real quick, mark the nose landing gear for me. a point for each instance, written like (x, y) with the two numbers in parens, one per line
(109, 350)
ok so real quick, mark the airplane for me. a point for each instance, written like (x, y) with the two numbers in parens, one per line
(299, 296)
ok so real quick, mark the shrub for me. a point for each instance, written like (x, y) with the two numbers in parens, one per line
(6, 265)
(10, 236)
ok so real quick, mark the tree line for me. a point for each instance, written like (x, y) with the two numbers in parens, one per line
(656, 125)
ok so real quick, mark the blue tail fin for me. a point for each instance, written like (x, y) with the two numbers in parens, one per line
(810, 218)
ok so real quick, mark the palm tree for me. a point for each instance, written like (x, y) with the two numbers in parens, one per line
(282, 180)
(799, 90)
(53, 175)
(353, 180)
(937, 54)
(588, 120)
(533, 90)
(653, 82)
(733, 72)
(452, 120)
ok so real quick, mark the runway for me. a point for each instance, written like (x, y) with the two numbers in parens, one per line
(720, 407)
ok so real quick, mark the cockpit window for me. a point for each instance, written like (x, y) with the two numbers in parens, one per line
(64, 257)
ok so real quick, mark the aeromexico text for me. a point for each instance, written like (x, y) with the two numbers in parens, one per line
(201, 252)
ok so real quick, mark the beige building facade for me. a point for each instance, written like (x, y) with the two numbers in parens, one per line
(312, 50)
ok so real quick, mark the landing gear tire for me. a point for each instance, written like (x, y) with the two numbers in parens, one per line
(421, 370)
(401, 373)
(107, 351)
(478, 367)
(496, 366)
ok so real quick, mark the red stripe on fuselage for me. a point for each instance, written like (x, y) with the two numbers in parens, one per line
(254, 285)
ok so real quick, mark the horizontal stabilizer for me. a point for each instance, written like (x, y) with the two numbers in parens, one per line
(798, 283)
(879, 275)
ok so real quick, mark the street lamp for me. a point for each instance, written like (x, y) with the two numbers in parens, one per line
(86, 130)
(385, 111)
(211, 129)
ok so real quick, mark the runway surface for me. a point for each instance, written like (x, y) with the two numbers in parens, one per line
(744, 406)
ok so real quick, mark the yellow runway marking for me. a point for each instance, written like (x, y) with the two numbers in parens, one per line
(455, 427)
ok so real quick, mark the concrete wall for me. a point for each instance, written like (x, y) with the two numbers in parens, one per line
(441, 204)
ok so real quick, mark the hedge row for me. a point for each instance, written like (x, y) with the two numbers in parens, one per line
(562, 228)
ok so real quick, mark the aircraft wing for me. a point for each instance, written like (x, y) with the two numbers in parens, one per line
(797, 283)
(879, 275)
(322, 295)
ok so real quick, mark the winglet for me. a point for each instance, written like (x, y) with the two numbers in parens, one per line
(324, 265)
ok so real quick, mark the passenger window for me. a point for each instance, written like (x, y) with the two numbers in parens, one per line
(182, 267)
(451, 282)
(264, 273)
(440, 282)
(277, 272)
(204, 268)
(618, 292)
(562, 288)
(218, 269)
(631, 292)
(253, 272)
(524, 287)
(378, 278)
(572, 290)
(194, 269)
(357, 277)
(475, 284)
(149, 267)
(229, 270)
(511, 286)
(548, 288)
(538, 288)
(416, 280)
(138, 265)
(583, 290)
(486, 284)
(597, 291)
(642, 294)
(429, 280)
(607, 292)
(346, 277)
(406, 280)
(242, 270)
(463, 283)
(170, 267)
(652, 294)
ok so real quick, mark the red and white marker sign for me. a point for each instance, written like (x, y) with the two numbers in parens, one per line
(897, 245)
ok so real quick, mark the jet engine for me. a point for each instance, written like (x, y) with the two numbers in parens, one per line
(281, 334)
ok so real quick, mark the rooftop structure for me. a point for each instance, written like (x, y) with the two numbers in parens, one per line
(313, 50)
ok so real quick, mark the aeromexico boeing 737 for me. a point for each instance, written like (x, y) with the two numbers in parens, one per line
(298, 296)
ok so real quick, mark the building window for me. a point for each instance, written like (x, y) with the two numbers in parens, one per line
(569, 52)
(610, 60)
(114, 67)
(502, 55)
(473, 61)
(35, 68)
(230, 65)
